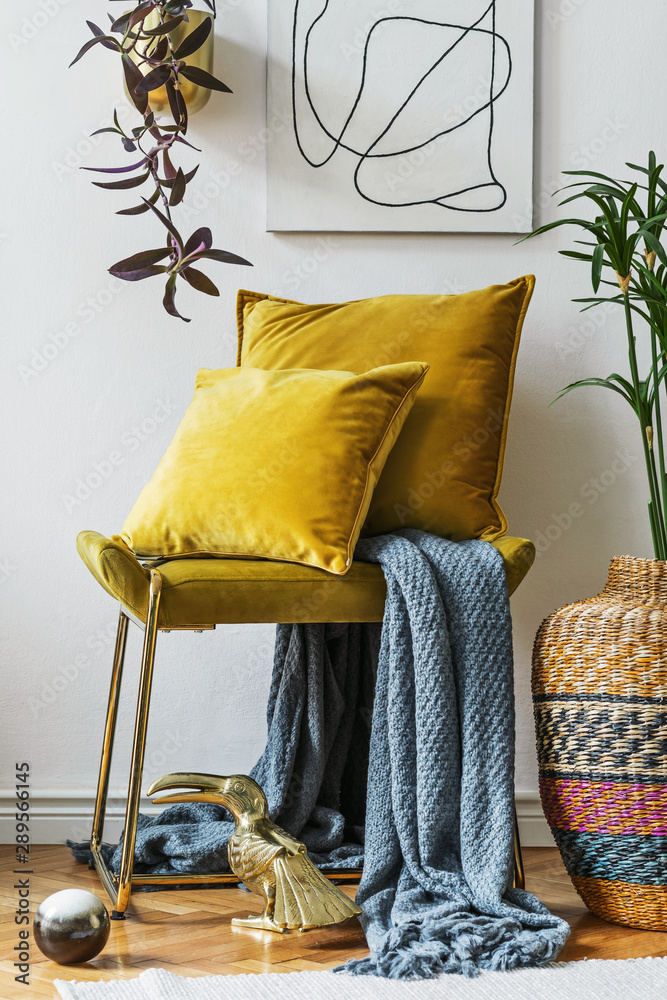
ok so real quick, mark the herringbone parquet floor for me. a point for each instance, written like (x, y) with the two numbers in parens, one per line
(189, 932)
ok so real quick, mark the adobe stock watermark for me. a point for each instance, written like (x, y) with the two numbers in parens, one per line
(563, 12)
(310, 262)
(78, 152)
(582, 158)
(352, 50)
(33, 23)
(437, 478)
(155, 763)
(102, 470)
(102, 640)
(58, 341)
(7, 569)
(201, 194)
(407, 164)
(590, 492)
(577, 336)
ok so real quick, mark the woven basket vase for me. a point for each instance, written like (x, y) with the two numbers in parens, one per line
(600, 698)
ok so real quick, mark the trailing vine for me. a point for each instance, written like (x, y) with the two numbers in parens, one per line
(150, 62)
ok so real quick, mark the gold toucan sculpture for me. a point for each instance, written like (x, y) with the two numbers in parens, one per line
(268, 861)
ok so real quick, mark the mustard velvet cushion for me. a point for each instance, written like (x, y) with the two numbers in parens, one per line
(277, 465)
(444, 474)
(217, 591)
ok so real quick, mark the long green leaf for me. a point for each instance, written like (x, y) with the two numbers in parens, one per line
(600, 382)
(597, 261)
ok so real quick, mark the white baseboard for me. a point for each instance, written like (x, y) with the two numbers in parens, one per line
(533, 828)
(67, 815)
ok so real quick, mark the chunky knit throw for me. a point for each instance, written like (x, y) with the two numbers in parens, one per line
(425, 800)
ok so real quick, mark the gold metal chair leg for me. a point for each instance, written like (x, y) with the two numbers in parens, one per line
(107, 751)
(519, 874)
(138, 749)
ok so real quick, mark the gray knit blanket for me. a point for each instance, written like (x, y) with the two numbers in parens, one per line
(395, 748)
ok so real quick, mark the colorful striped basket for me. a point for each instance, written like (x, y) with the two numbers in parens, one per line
(600, 698)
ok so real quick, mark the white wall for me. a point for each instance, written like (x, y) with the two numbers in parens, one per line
(600, 79)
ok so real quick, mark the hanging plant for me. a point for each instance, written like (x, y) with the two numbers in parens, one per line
(152, 62)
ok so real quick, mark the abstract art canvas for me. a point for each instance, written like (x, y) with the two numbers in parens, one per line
(400, 115)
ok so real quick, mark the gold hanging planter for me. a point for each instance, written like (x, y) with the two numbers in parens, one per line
(195, 97)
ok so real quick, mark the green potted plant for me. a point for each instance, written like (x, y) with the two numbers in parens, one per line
(163, 47)
(600, 665)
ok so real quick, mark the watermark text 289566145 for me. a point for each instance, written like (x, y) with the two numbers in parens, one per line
(22, 882)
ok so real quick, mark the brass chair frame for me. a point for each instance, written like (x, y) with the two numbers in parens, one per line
(119, 886)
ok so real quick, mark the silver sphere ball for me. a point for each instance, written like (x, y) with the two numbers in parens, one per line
(71, 926)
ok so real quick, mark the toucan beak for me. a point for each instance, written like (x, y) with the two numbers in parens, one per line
(207, 787)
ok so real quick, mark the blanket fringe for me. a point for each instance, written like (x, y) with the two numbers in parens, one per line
(461, 944)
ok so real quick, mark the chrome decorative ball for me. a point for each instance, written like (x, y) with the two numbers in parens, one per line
(71, 926)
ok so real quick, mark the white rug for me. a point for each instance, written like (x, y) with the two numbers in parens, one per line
(635, 979)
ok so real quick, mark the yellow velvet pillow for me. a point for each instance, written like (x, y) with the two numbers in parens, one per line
(276, 465)
(444, 474)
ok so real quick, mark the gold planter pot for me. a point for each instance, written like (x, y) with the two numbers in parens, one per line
(600, 699)
(195, 97)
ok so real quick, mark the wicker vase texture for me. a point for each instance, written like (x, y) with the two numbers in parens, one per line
(600, 698)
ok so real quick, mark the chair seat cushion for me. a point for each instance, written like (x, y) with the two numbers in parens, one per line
(203, 591)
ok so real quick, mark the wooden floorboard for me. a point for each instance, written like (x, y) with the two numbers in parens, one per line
(190, 932)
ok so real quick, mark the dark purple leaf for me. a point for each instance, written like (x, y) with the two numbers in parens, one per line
(179, 138)
(118, 170)
(129, 145)
(177, 106)
(194, 40)
(140, 14)
(169, 225)
(124, 185)
(169, 168)
(168, 300)
(120, 24)
(132, 17)
(160, 50)
(153, 80)
(143, 272)
(164, 29)
(199, 236)
(100, 34)
(140, 209)
(138, 260)
(99, 131)
(203, 79)
(188, 177)
(133, 77)
(114, 44)
(174, 106)
(222, 255)
(199, 280)
(178, 188)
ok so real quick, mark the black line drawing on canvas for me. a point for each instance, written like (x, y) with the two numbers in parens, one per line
(408, 150)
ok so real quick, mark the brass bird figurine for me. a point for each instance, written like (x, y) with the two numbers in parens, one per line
(268, 861)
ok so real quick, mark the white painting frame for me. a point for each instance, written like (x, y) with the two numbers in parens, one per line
(379, 112)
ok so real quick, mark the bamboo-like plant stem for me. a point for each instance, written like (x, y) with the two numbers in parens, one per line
(656, 509)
